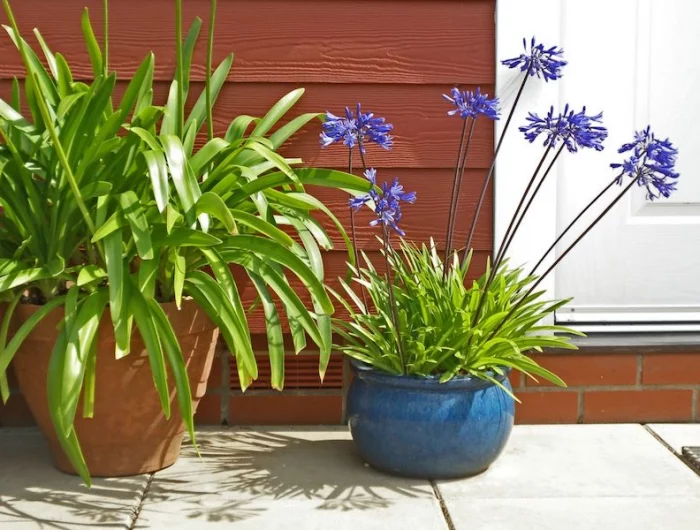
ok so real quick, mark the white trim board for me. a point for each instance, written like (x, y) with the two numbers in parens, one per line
(517, 160)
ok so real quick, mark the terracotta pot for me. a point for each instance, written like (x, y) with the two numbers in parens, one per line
(129, 434)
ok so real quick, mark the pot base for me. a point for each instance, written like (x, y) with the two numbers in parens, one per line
(129, 434)
(122, 460)
(421, 428)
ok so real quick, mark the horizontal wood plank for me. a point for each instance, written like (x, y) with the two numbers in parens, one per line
(340, 41)
(424, 135)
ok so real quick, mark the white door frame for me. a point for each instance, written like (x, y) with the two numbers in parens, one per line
(518, 158)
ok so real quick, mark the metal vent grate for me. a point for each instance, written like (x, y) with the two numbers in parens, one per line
(300, 373)
(692, 457)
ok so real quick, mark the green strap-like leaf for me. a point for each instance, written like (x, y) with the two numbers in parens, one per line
(278, 110)
(135, 216)
(181, 236)
(238, 127)
(275, 335)
(185, 184)
(81, 336)
(93, 48)
(269, 249)
(263, 227)
(294, 306)
(206, 154)
(211, 296)
(218, 78)
(119, 293)
(143, 314)
(173, 354)
(158, 172)
(282, 134)
(211, 204)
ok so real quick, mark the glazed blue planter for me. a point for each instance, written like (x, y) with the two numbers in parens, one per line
(421, 428)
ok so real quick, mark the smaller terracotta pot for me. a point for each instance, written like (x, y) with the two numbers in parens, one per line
(129, 434)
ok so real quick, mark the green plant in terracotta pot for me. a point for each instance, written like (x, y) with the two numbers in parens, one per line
(117, 234)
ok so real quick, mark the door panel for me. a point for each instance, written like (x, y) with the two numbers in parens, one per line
(636, 60)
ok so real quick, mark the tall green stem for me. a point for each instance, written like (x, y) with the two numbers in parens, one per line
(210, 52)
(105, 37)
(180, 74)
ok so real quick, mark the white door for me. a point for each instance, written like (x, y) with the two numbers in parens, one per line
(638, 61)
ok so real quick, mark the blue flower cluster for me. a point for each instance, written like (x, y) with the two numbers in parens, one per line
(575, 129)
(356, 129)
(652, 164)
(546, 63)
(472, 104)
(387, 201)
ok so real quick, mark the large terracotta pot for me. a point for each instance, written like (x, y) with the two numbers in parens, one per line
(129, 434)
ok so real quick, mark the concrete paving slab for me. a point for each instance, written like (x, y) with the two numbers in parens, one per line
(35, 495)
(614, 513)
(678, 435)
(299, 478)
(578, 476)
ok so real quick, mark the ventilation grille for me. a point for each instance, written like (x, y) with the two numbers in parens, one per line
(300, 373)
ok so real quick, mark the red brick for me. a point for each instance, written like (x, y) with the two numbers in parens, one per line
(15, 413)
(516, 379)
(284, 409)
(209, 410)
(547, 407)
(637, 406)
(674, 369)
(588, 369)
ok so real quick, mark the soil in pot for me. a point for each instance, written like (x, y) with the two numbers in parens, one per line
(128, 434)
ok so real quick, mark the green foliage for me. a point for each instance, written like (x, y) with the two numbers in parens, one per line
(435, 315)
(108, 207)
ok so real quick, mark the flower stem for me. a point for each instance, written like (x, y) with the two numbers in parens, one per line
(392, 300)
(529, 203)
(460, 155)
(572, 223)
(561, 257)
(105, 37)
(454, 202)
(207, 86)
(506, 237)
(353, 235)
(485, 186)
(495, 264)
(180, 74)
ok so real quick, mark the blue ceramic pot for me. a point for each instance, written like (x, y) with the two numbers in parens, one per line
(421, 428)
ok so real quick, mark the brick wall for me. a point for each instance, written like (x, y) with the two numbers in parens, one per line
(613, 388)
(603, 388)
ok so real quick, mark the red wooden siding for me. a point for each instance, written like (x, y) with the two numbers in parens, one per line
(395, 56)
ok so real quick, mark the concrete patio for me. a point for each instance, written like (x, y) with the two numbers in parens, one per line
(550, 477)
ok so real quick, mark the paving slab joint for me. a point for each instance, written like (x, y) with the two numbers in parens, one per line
(443, 506)
(680, 457)
(137, 511)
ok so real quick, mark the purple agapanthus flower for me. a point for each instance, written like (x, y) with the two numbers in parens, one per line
(652, 164)
(575, 129)
(538, 60)
(470, 104)
(356, 129)
(387, 201)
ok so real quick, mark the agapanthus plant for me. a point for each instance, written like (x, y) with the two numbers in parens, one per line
(423, 317)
